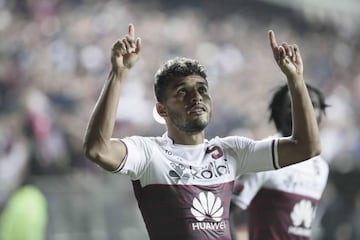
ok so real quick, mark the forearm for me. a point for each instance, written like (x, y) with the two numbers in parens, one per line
(304, 142)
(305, 127)
(102, 121)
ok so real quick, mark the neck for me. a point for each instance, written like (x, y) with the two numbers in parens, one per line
(185, 138)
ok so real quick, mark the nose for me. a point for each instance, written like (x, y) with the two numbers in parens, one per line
(196, 97)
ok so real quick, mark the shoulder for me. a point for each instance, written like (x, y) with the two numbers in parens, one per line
(318, 161)
(240, 142)
(143, 141)
(231, 140)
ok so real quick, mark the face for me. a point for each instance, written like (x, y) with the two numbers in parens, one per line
(188, 104)
(286, 118)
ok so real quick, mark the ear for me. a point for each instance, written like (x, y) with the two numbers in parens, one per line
(161, 110)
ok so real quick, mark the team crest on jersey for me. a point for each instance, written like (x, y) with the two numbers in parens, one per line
(207, 207)
(302, 216)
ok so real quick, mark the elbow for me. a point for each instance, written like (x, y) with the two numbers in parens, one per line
(90, 151)
(317, 150)
(96, 154)
(313, 150)
(307, 149)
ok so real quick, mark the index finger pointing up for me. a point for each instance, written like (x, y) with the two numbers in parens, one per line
(272, 39)
(131, 30)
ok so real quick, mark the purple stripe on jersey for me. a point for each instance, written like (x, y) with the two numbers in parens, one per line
(123, 161)
(185, 212)
(275, 214)
(273, 154)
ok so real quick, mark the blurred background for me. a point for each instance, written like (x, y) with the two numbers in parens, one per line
(54, 59)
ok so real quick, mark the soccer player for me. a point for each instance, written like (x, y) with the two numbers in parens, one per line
(281, 204)
(183, 182)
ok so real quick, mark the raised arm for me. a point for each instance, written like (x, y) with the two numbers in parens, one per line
(99, 147)
(304, 142)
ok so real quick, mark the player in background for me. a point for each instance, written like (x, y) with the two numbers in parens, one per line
(183, 182)
(282, 204)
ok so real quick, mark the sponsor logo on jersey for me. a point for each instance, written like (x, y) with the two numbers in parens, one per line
(215, 168)
(207, 207)
(302, 216)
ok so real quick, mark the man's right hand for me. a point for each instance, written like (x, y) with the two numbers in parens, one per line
(125, 51)
(287, 57)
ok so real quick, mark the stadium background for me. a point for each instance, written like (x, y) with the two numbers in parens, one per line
(54, 58)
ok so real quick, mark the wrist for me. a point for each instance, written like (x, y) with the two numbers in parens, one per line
(119, 73)
(295, 77)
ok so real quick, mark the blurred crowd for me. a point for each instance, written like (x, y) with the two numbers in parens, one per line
(54, 58)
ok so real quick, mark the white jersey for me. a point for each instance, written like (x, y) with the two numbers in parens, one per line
(184, 191)
(281, 204)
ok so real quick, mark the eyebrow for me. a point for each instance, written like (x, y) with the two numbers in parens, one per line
(202, 83)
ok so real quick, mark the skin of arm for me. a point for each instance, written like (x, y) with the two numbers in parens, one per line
(99, 146)
(304, 143)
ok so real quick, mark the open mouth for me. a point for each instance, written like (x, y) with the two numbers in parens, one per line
(197, 109)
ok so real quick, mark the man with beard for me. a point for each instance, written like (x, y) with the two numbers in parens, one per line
(182, 181)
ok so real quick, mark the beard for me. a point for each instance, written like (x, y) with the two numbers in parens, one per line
(190, 126)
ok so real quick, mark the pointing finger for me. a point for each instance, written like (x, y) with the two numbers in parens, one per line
(274, 46)
(272, 39)
(131, 31)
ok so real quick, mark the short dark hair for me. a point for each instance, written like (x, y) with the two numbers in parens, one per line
(173, 68)
(278, 99)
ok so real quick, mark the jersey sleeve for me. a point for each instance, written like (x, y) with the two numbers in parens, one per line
(138, 152)
(246, 187)
(251, 155)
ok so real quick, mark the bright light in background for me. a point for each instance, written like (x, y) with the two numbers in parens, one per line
(157, 117)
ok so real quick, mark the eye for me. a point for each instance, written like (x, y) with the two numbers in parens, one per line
(181, 92)
(203, 89)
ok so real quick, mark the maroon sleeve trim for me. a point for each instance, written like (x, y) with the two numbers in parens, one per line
(122, 162)
(275, 160)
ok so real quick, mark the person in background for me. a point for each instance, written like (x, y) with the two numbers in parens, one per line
(282, 204)
(183, 182)
(23, 206)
